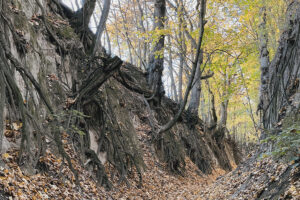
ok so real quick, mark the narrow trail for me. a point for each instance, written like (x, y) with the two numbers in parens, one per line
(252, 179)
(53, 179)
(158, 182)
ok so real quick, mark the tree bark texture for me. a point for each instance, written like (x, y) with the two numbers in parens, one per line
(156, 60)
(101, 25)
(2, 104)
(173, 85)
(196, 90)
(264, 64)
(143, 28)
(284, 70)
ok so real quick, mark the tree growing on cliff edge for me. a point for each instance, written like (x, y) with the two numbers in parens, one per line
(156, 59)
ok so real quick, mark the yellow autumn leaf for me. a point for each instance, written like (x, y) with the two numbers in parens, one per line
(5, 155)
(17, 126)
(292, 188)
(292, 162)
(19, 192)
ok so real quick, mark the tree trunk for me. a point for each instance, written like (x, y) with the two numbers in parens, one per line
(141, 22)
(108, 42)
(173, 85)
(264, 66)
(2, 105)
(84, 15)
(212, 119)
(171, 123)
(156, 60)
(196, 90)
(101, 25)
(180, 77)
(223, 112)
(181, 42)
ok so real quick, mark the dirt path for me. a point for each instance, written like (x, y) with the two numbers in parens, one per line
(158, 183)
(54, 180)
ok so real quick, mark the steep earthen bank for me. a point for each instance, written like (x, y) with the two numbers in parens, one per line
(278, 176)
(72, 118)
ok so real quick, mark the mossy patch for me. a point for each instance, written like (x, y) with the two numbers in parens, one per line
(66, 32)
(33, 36)
(20, 21)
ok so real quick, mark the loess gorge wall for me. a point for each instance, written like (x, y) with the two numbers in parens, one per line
(107, 122)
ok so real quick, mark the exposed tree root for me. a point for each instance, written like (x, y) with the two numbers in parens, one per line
(98, 77)
(100, 108)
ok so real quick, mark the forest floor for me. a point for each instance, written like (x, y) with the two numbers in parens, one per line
(252, 179)
(54, 180)
(257, 179)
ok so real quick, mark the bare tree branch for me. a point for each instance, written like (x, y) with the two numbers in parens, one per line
(172, 122)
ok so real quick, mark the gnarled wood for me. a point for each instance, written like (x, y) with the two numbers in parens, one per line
(98, 78)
